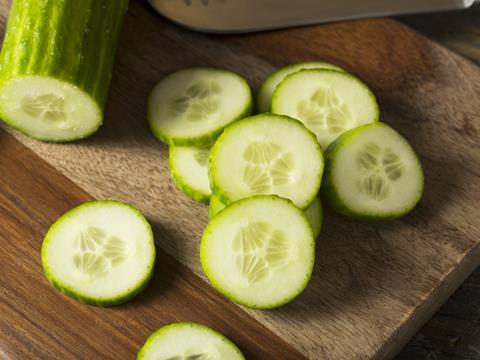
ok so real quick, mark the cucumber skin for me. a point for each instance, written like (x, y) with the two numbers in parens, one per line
(232, 297)
(221, 194)
(261, 91)
(159, 332)
(207, 139)
(71, 41)
(192, 193)
(215, 206)
(330, 192)
(127, 296)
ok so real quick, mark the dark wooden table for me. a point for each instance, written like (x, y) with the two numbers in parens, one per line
(454, 332)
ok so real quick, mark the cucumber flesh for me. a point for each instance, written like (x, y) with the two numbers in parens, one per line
(264, 97)
(101, 253)
(189, 168)
(314, 212)
(259, 252)
(191, 107)
(56, 65)
(188, 341)
(328, 102)
(372, 173)
(266, 154)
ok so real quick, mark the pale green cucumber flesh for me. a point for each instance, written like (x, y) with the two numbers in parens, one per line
(328, 102)
(372, 173)
(264, 96)
(56, 64)
(191, 107)
(314, 214)
(189, 169)
(259, 251)
(266, 154)
(101, 253)
(188, 341)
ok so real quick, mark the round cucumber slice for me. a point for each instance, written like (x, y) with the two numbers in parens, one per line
(188, 341)
(328, 102)
(259, 252)
(191, 107)
(372, 173)
(101, 253)
(267, 154)
(264, 97)
(314, 212)
(189, 168)
(48, 109)
(216, 206)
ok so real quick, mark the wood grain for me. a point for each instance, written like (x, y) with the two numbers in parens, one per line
(38, 322)
(374, 284)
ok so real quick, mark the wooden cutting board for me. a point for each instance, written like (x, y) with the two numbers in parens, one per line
(374, 285)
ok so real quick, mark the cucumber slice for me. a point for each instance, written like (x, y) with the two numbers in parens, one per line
(191, 107)
(101, 253)
(188, 341)
(259, 252)
(56, 64)
(189, 168)
(216, 206)
(267, 154)
(372, 173)
(328, 102)
(264, 97)
(314, 213)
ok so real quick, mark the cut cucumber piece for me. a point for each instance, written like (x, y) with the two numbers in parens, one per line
(259, 252)
(101, 253)
(56, 64)
(189, 169)
(372, 173)
(191, 107)
(314, 213)
(264, 97)
(328, 102)
(188, 341)
(216, 206)
(267, 154)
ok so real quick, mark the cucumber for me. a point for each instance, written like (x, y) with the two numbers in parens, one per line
(100, 253)
(56, 64)
(189, 168)
(216, 206)
(259, 251)
(264, 97)
(191, 107)
(314, 212)
(188, 341)
(372, 173)
(328, 102)
(266, 154)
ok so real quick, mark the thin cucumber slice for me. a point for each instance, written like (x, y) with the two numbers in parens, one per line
(191, 107)
(372, 173)
(216, 206)
(188, 341)
(264, 97)
(328, 102)
(314, 212)
(259, 252)
(267, 154)
(56, 65)
(189, 168)
(101, 253)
